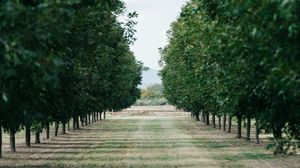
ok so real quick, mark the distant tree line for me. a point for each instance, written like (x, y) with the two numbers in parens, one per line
(62, 60)
(152, 96)
(238, 59)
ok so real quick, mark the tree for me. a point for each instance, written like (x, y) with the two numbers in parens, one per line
(60, 59)
(219, 61)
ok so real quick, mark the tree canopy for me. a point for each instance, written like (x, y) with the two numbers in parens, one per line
(63, 59)
(240, 59)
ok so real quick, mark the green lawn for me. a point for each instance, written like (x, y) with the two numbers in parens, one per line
(145, 141)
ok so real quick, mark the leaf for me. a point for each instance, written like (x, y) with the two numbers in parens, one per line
(58, 61)
(254, 32)
(4, 97)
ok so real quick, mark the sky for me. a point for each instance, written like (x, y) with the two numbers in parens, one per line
(154, 20)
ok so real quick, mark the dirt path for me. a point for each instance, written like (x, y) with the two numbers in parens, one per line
(145, 138)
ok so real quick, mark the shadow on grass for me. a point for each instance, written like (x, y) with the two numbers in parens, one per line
(245, 156)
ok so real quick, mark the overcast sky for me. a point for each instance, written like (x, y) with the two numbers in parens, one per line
(155, 17)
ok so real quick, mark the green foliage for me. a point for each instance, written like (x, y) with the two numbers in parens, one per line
(239, 58)
(153, 91)
(62, 59)
(152, 96)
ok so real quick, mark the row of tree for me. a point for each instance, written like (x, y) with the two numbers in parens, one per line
(61, 60)
(238, 59)
(152, 96)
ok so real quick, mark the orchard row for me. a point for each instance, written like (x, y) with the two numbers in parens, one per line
(238, 59)
(61, 60)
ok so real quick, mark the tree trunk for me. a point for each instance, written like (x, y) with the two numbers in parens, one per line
(81, 121)
(37, 138)
(0, 141)
(229, 124)
(100, 116)
(97, 115)
(27, 135)
(74, 122)
(104, 115)
(63, 131)
(77, 122)
(224, 123)
(69, 126)
(248, 134)
(56, 128)
(47, 131)
(257, 132)
(207, 119)
(277, 133)
(239, 127)
(86, 119)
(197, 116)
(192, 116)
(203, 117)
(214, 120)
(219, 119)
(89, 119)
(12, 140)
(93, 118)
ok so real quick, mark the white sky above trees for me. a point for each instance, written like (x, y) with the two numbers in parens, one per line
(155, 17)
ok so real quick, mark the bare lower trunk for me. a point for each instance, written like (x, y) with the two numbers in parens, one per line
(77, 122)
(37, 138)
(86, 119)
(239, 127)
(248, 133)
(100, 116)
(277, 133)
(47, 131)
(97, 116)
(224, 123)
(104, 115)
(74, 122)
(12, 140)
(219, 119)
(89, 119)
(214, 120)
(93, 118)
(69, 126)
(229, 124)
(27, 135)
(81, 120)
(202, 117)
(0, 141)
(257, 132)
(207, 119)
(63, 131)
(197, 116)
(56, 128)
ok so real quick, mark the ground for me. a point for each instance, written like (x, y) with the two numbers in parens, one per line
(145, 137)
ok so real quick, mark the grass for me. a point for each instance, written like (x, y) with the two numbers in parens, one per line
(245, 156)
(160, 140)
